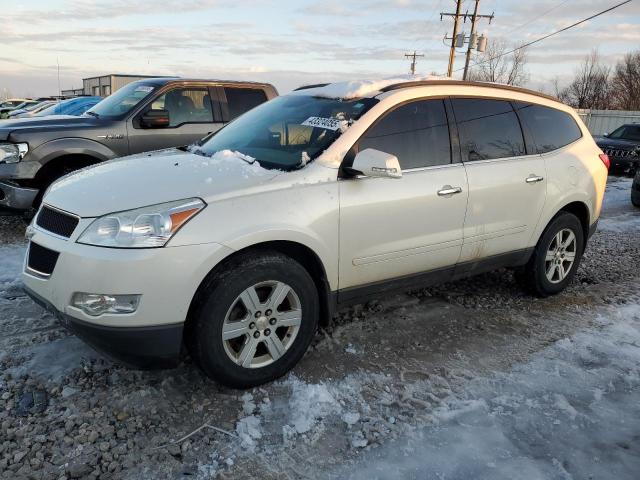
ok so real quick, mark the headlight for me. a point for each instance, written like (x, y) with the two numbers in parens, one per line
(146, 227)
(12, 152)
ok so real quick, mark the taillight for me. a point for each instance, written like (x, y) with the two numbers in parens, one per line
(605, 159)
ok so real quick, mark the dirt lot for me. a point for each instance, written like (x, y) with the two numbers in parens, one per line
(472, 379)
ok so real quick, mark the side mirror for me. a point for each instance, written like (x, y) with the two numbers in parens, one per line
(374, 163)
(155, 119)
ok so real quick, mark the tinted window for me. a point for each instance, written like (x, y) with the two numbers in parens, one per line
(416, 133)
(242, 100)
(627, 132)
(185, 105)
(488, 129)
(551, 129)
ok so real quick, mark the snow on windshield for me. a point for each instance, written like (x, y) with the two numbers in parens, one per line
(362, 88)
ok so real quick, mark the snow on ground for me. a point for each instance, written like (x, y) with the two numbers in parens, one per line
(572, 411)
(618, 217)
(361, 88)
(11, 258)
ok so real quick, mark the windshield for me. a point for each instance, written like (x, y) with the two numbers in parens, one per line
(122, 101)
(289, 131)
(627, 132)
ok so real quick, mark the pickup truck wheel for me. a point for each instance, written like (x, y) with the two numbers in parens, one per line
(255, 320)
(556, 257)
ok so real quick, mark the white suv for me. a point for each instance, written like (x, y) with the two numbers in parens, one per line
(238, 248)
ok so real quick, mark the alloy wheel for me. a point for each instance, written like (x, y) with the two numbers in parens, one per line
(560, 256)
(261, 324)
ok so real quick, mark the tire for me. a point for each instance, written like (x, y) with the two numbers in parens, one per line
(534, 276)
(226, 304)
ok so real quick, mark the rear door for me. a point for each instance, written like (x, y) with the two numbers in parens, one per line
(236, 100)
(394, 228)
(507, 184)
(191, 114)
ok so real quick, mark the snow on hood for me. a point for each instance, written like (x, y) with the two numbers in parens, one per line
(362, 88)
(152, 178)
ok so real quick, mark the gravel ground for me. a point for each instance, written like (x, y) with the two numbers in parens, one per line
(380, 372)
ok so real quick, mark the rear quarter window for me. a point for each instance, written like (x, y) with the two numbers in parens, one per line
(551, 129)
(241, 100)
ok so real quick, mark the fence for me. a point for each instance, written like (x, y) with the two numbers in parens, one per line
(600, 122)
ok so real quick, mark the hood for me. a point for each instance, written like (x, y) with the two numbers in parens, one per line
(151, 178)
(57, 122)
(617, 143)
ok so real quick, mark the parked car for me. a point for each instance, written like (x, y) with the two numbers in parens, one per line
(635, 190)
(623, 147)
(30, 110)
(4, 111)
(12, 103)
(240, 246)
(146, 115)
(72, 106)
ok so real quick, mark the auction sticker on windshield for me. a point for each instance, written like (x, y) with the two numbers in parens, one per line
(320, 122)
(144, 88)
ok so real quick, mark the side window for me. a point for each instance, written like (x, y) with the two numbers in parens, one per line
(185, 105)
(241, 100)
(417, 133)
(488, 129)
(551, 129)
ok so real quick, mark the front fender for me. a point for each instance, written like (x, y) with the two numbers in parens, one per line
(70, 146)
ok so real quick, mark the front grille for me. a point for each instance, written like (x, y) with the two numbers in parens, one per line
(41, 260)
(617, 153)
(56, 221)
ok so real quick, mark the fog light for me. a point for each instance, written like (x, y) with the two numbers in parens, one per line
(95, 304)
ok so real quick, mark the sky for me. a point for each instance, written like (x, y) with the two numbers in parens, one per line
(287, 43)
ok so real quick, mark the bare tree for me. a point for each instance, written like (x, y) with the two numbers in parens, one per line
(625, 83)
(495, 65)
(590, 86)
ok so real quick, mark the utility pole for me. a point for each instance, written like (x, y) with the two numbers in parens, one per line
(413, 57)
(473, 38)
(458, 39)
(456, 22)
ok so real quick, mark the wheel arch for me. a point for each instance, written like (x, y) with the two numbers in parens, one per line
(301, 253)
(580, 210)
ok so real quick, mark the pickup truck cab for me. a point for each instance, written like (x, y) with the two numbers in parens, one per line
(150, 114)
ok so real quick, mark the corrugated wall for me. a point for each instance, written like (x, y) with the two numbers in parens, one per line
(600, 122)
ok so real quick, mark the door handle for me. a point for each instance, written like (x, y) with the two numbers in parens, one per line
(534, 178)
(449, 190)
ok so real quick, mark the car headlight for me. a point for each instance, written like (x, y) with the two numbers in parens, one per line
(145, 227)
(12, 152)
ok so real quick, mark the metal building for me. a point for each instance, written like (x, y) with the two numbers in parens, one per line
(104, 85)
(600, 122)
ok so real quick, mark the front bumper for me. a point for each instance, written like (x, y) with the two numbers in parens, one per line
(140, 347)
(16, 198)
(166, 278)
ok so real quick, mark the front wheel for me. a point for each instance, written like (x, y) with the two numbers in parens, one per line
(254, 320)
(556, 257)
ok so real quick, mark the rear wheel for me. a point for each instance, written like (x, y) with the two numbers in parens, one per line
(255, 320)
(556, 257)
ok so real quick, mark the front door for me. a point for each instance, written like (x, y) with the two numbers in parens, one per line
(393, 228)
(191, 116)
(507, 186)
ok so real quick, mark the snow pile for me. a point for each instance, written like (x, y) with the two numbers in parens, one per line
(361, 88)
(573, 411)
(309, 403)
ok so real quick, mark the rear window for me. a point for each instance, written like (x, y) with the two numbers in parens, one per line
(488, 129)
(242, 100)
(550, 128)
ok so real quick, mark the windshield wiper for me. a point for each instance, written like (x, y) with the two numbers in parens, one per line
(93, 114)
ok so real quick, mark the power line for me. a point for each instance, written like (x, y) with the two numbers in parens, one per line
(550, 34)
(538, 17)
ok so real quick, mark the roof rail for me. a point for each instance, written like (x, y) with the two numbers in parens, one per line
(424, 83)
(306, 87)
